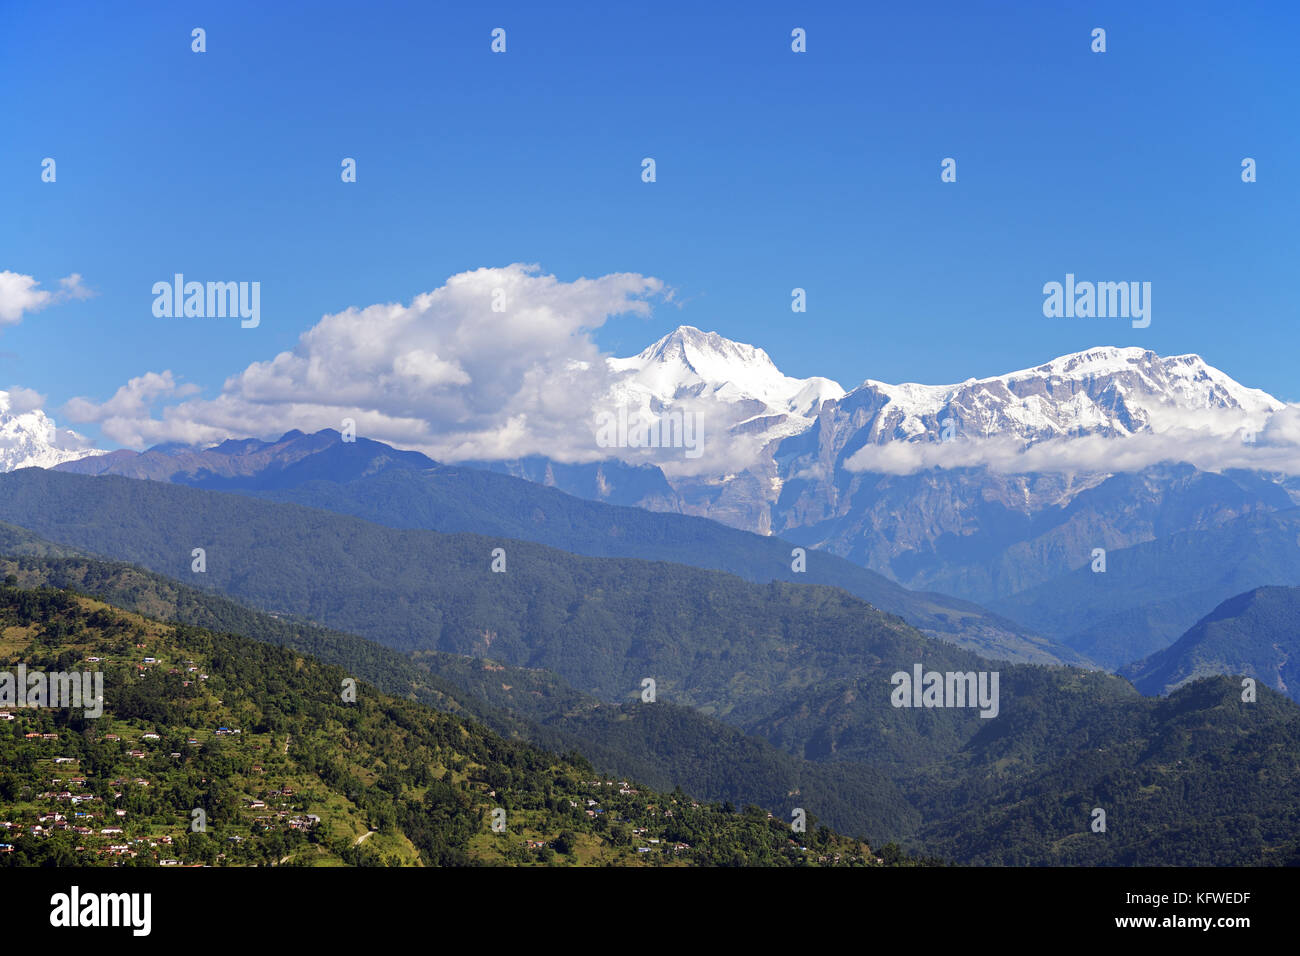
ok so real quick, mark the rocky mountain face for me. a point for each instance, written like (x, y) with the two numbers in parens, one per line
(955, 487)
(737, 406)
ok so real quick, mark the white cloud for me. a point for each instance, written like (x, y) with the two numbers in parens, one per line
(71, 287)
(22, 400)
(125, 416)
(19, 295)
(445, 374)
(1218, 443)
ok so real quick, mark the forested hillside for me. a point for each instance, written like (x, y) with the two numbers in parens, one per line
(216, 749)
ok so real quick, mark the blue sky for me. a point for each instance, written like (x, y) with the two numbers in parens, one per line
(775, 170)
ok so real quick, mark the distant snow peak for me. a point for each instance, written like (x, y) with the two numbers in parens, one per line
(1104, 391)
(746, 400)
(690, 363)
(29, 438)
(1063, 417)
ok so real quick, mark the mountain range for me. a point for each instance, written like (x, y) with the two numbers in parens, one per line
(996, 492)
(371, 480)
(1198, 777)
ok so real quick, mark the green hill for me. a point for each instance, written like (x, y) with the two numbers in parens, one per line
(260, 740)
(1256, 634)
(664, 745)
(1151, 593)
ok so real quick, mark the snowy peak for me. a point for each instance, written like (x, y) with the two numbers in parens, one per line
(1186, 380)
(29, 438)
(705, 354)
(1105, 391)
(1097, 361)
(690, 362)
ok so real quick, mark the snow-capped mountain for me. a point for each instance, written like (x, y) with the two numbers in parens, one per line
(1108, 392)
(1108, 447)
(688, 361)
(1004, 514)
(29, 438)
(738, 385)
(787, 453)
(1112, 392)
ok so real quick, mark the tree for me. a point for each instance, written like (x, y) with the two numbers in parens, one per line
(565, 842)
